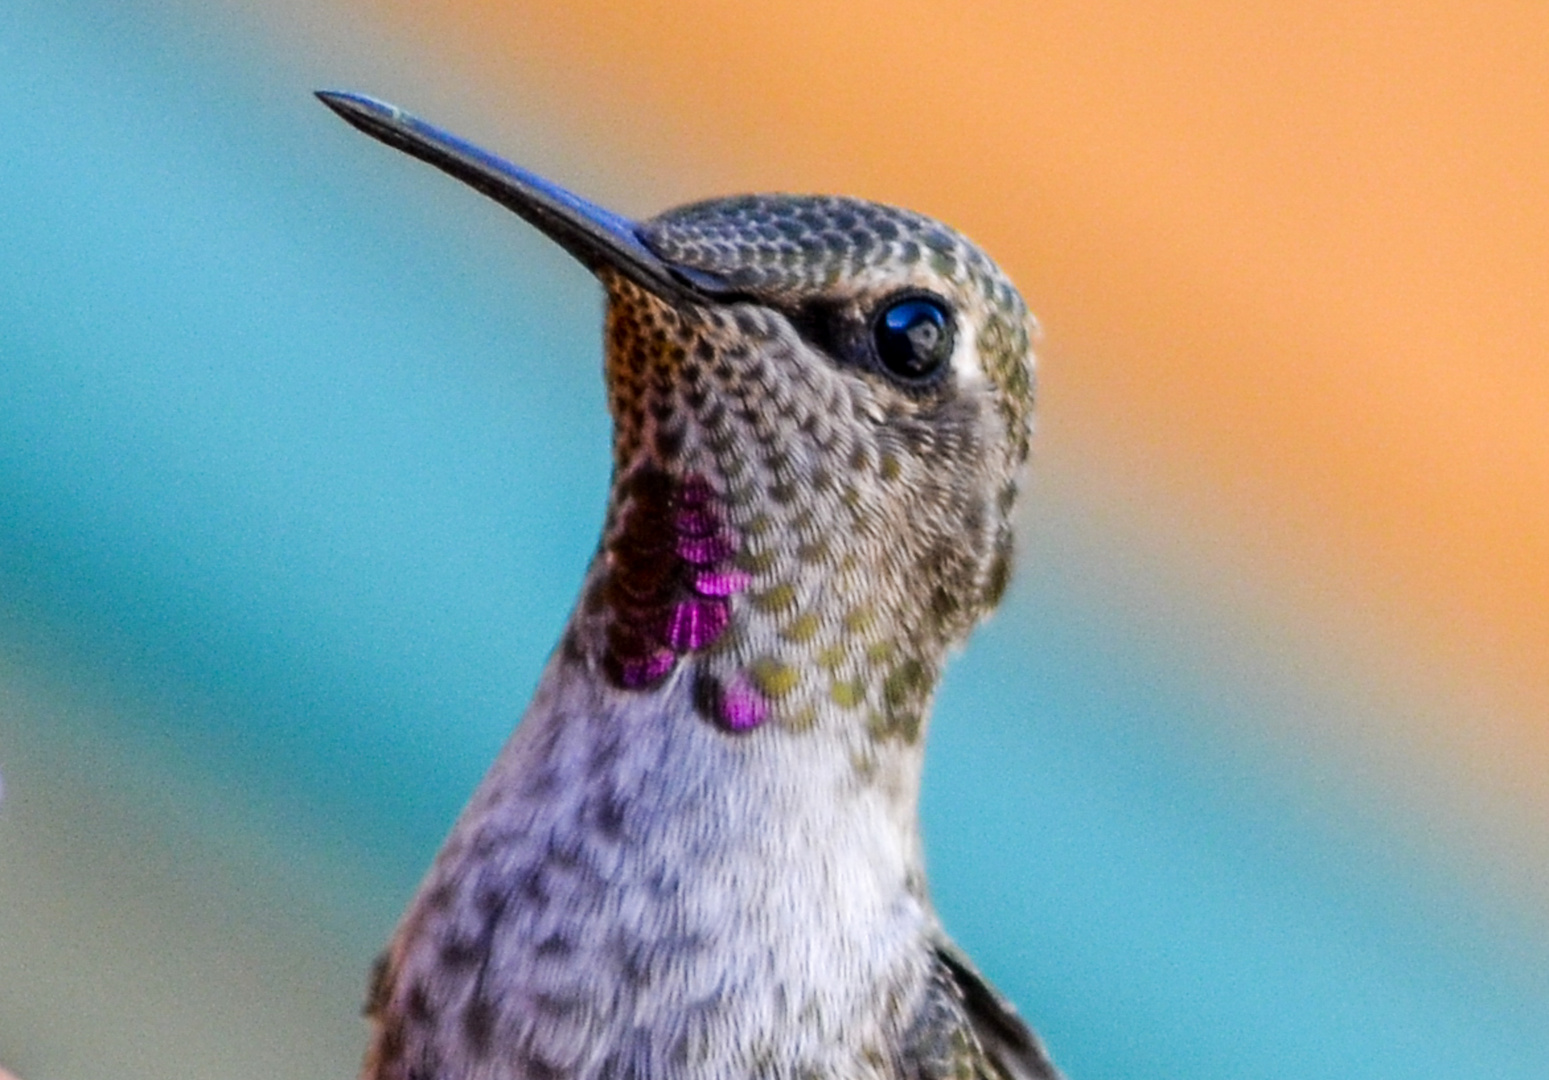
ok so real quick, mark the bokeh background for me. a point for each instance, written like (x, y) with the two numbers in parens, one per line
(303, 449)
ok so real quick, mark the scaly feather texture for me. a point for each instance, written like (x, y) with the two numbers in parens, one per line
(698, 856)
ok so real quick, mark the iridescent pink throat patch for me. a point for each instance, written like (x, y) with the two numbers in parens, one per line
(670, 580)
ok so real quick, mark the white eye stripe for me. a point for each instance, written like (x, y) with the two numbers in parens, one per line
(966, 367)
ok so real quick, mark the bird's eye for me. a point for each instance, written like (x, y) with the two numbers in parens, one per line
(913, 336)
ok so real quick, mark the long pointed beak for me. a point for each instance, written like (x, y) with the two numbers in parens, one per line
(599, 238)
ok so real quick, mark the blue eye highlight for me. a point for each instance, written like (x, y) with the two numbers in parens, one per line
(913, 337)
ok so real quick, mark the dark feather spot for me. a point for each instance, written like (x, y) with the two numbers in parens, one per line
(379, 987)
(420, 1008)
(460, 953)
(555, 946)
(479, 1025)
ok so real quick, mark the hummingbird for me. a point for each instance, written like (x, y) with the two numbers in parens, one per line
(698, 856)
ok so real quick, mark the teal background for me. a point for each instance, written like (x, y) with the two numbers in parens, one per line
(302, 452)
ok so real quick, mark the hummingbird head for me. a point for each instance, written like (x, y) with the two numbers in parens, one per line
(821, 408)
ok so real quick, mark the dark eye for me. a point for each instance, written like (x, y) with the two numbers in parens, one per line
(913, 337)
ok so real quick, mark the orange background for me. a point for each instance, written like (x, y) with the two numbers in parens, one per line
(1293, 265)
(302, 448)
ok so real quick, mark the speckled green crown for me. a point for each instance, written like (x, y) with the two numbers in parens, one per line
(805, 533)
(787, 249)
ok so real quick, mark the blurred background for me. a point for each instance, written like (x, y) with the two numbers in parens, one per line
(303, 450)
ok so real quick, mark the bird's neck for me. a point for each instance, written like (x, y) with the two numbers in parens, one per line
(763, 615)
(661, 877)
(663, 754)
(631, 801)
